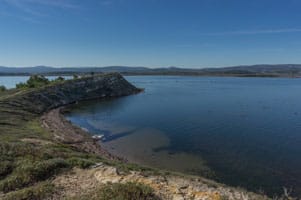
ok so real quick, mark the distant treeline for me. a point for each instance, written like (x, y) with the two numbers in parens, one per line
(288, 70)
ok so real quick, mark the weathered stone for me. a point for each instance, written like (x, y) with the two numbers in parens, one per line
(71, 91)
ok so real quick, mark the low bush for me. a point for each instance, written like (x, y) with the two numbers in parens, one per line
(80, 162)
(37, 192)
(59, 79)
(6, 168)
(118, 191)
(2, 88)
(16, 149)
(28, 173)
(34, 82)
(37, 81)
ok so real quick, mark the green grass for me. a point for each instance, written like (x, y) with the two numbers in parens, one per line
(27, 173)
(81, 162)
(118, 191)
(37, 192)
(25, 164)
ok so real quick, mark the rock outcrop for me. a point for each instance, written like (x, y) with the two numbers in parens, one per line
(25, 105)
(53, 96)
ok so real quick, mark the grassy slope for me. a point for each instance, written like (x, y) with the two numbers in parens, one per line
(28, 154)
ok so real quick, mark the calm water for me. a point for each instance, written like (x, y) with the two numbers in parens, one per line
(240, 131)
(11, 81)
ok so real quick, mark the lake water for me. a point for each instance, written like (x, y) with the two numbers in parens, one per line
(239, 131)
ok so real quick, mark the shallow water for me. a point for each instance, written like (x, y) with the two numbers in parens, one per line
(240, 131)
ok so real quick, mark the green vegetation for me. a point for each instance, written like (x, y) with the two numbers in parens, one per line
(118, 191)
(34, 82)
(24, 164)
(38, 192)
(81, 162)
(37, 81)
(27, 173)
(2, 88)
(28, 154)
(59, 79)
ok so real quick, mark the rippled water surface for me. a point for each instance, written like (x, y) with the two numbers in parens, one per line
(240, 131)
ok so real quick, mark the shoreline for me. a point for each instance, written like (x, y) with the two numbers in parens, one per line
(68, 133)
(168, 184)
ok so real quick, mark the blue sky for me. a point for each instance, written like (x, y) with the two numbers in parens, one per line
(152, 33)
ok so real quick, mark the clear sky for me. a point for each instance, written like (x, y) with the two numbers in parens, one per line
(152, 33)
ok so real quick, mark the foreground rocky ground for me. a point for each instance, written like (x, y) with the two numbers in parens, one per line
(168, 186)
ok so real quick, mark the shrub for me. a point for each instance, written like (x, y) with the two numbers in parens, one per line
(21, 85)
(28, 173)
(17, 149)
(37, 81)
(37, 192)
(34, 82)
(80, 162)
(45, 169)
(118, 191)
(6, 168)
(59, 79)
(2, 88)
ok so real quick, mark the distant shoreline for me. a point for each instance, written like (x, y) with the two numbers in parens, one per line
(165, 74)
(260, 70)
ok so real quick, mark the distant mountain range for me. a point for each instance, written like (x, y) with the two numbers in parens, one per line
(46, 69)
(282, 70)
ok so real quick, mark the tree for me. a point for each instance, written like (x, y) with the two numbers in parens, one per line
(34, 82)
(2, 88)
(37, 81)
(59, 79)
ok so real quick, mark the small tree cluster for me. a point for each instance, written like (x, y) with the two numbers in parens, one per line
(34, 82)
(2, 88)
(59, 79)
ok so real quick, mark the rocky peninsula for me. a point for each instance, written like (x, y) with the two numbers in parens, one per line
(44, 156)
